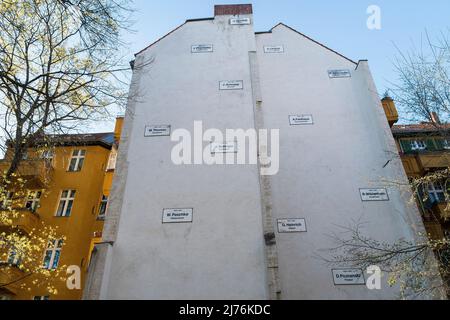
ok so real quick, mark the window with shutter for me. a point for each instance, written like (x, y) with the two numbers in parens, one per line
(406, 146)
(431, 146)
(439, 144)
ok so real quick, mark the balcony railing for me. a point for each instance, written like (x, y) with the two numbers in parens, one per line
(390, 110)
(418, 163)
(10, 276)
(434, 230)
(23, 219)
(436, 159)
(37, 172)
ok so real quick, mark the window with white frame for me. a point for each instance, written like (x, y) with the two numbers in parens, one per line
(76, 162)
(65, 203)
(6, 198)
(33, 200)
(112, 159)
(11, 257)
(14, 258)
(436, 192)
(47, 154)
(41, 298)
(52, 254)
(102, 208)
(418, 145)
(446, 143)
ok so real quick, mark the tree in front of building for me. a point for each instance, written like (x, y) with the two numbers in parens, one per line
(59, 65)
(409, 265)
(21, 251)
(420, 268)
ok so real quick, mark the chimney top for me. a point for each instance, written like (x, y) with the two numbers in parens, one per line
(232, 9)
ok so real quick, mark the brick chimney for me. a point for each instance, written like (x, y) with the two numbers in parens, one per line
(232, 9)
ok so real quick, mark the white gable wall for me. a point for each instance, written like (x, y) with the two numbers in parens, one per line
(220, 255)
(322, 166)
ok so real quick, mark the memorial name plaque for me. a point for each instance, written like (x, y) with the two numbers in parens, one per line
(376, 194)
(157, 131)
(273, 49)
(177, 215)
(200, 48)
(231, 85)
(342, 73)
(240, 21)
(300, 119)
(226, 147)
(348, 276)
(291, 225)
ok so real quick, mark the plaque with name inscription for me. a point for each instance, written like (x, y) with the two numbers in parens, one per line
(226, 147)
(201, 48)
(375, 194)
(340, 73)
(171, 215)
(231, 85)
(240, 21)
(273, 49)
(291, 225)
(348, 276)
(157, 131)
(303, 119)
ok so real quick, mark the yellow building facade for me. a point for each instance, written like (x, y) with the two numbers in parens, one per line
(424, 148)
(70, 186)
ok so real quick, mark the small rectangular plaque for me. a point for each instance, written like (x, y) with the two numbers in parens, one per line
(273, 49)
(240, 21)
(340, 73)
(200, 48)
(157, 131)
(348, 276)
(375, 194)
(177, 215)
(302, 119)
(226, 147)
(231, 85)
(291, 225)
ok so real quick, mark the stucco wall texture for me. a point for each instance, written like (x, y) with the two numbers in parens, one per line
(222, 253)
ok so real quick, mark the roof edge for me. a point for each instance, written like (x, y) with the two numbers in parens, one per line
(172, 31)
(158, 40)
(258, 32)
(199, 19)
(309, 38)
(76, 140)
